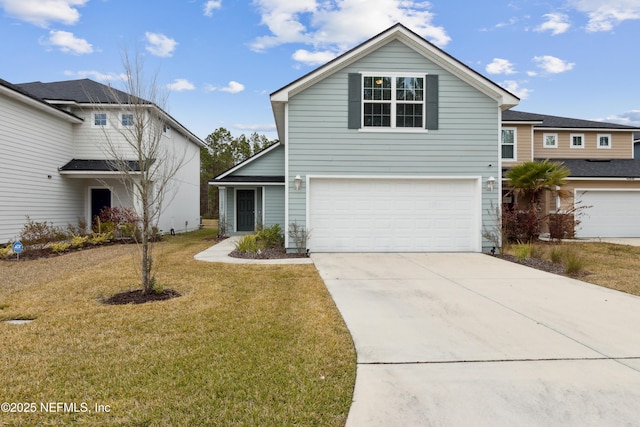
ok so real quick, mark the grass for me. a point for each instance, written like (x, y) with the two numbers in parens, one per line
(243, 345)
(605, 264)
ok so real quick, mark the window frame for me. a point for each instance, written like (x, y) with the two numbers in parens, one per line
(544, 140)
(121, 121)
(94, 116)
(393, 102)
(576, 135)
(601, 135)
(514, 144)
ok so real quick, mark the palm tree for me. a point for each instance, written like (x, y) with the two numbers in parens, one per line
(530, 179)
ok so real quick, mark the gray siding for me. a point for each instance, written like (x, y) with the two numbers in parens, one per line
(319, 142)
(269, 164)
(274, 206)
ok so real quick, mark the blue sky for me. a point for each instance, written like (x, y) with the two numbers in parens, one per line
(221, 59)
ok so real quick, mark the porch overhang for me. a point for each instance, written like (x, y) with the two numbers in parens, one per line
(238, 181)
(80, 168)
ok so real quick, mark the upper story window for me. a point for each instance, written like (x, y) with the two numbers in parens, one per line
(509, 138)
(604, 141)
(100, 119)
(577, 140)
(550, 140)
(393, 101)
(126, 119)
(166, 129)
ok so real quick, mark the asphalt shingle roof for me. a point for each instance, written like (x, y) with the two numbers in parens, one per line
(81, 91)
(559, 122)
(96, 166)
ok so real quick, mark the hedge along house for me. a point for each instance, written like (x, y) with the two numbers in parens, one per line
(392, 147)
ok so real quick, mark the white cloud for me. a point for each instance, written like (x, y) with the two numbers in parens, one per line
(210, 6)
(67, 43)
(629, 118)
(330, 26)
(313, 58)
(557, 23)
(552, 65)
(180, 85)
(514, 87)
(43, 12)
(500, 66)
(160, 45)
(96, 75)
(606, 14)
(231, 87)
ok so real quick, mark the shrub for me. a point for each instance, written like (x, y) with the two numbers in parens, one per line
(100, 238)
(522, 250)
(60, 247)
(270, 237)
(6, 252)
(37, 235)
(300, 235)
(78, 241)
(520, 224)
(247, 244)
(116, 219)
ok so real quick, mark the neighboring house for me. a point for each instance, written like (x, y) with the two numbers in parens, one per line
(605, 172)
(393, 146)
(54, 165)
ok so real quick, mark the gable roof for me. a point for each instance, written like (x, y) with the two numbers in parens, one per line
(246, 161)
(397, 32)
(16, 92)
(556, 122)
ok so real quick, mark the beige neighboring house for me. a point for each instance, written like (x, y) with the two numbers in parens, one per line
(605, 172)
(54, 165)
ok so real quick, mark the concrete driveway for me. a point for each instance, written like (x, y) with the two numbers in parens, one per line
(471, 340)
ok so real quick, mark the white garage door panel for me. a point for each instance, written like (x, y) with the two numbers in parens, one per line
(377, 215)
(611, 213)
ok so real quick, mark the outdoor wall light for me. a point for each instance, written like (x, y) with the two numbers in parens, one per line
(491, 181)
(297, 182)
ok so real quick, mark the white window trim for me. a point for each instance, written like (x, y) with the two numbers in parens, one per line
(122, 125)
(544, 140)
(93, 119)
(166, 130)
(515, 144)
(573, 135)
(393, 128)
(608, 147)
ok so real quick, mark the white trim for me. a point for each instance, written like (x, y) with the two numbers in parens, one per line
(264, 206)
(575, 135)
(247, 183)
(39, 105)
(286, 176)
(477, 211)
(544, 139)
(544, 129)
(106, 120)
(608, 147)
(631, 178)
(515, 143)
(249, 160)
(393, 102)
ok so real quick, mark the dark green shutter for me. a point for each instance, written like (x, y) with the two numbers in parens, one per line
(355, 101)
(431, 105)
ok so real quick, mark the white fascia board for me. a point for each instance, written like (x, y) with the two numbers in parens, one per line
(245, 184)
(249, 160)
(584, 129)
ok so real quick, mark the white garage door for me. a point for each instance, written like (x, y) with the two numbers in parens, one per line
(394, 215)
(611, 213)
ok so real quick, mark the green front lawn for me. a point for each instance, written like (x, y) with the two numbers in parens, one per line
(243, 345)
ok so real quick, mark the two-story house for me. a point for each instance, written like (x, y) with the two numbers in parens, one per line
(392, 146)
(605, 173)
(55, 165)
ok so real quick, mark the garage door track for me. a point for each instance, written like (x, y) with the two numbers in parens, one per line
(468, 339)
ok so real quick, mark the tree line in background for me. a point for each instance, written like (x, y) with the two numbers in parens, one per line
(222, 152)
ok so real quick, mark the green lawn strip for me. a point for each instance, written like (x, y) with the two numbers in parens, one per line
(244, 345)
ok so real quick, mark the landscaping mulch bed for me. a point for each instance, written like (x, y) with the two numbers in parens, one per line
(139, 297)
(269, 253)
(541, 264)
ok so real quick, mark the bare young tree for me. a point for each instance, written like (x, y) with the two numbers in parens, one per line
(147, 163)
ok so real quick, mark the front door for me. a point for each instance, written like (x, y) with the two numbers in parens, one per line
(100, 198)
(245, 205)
